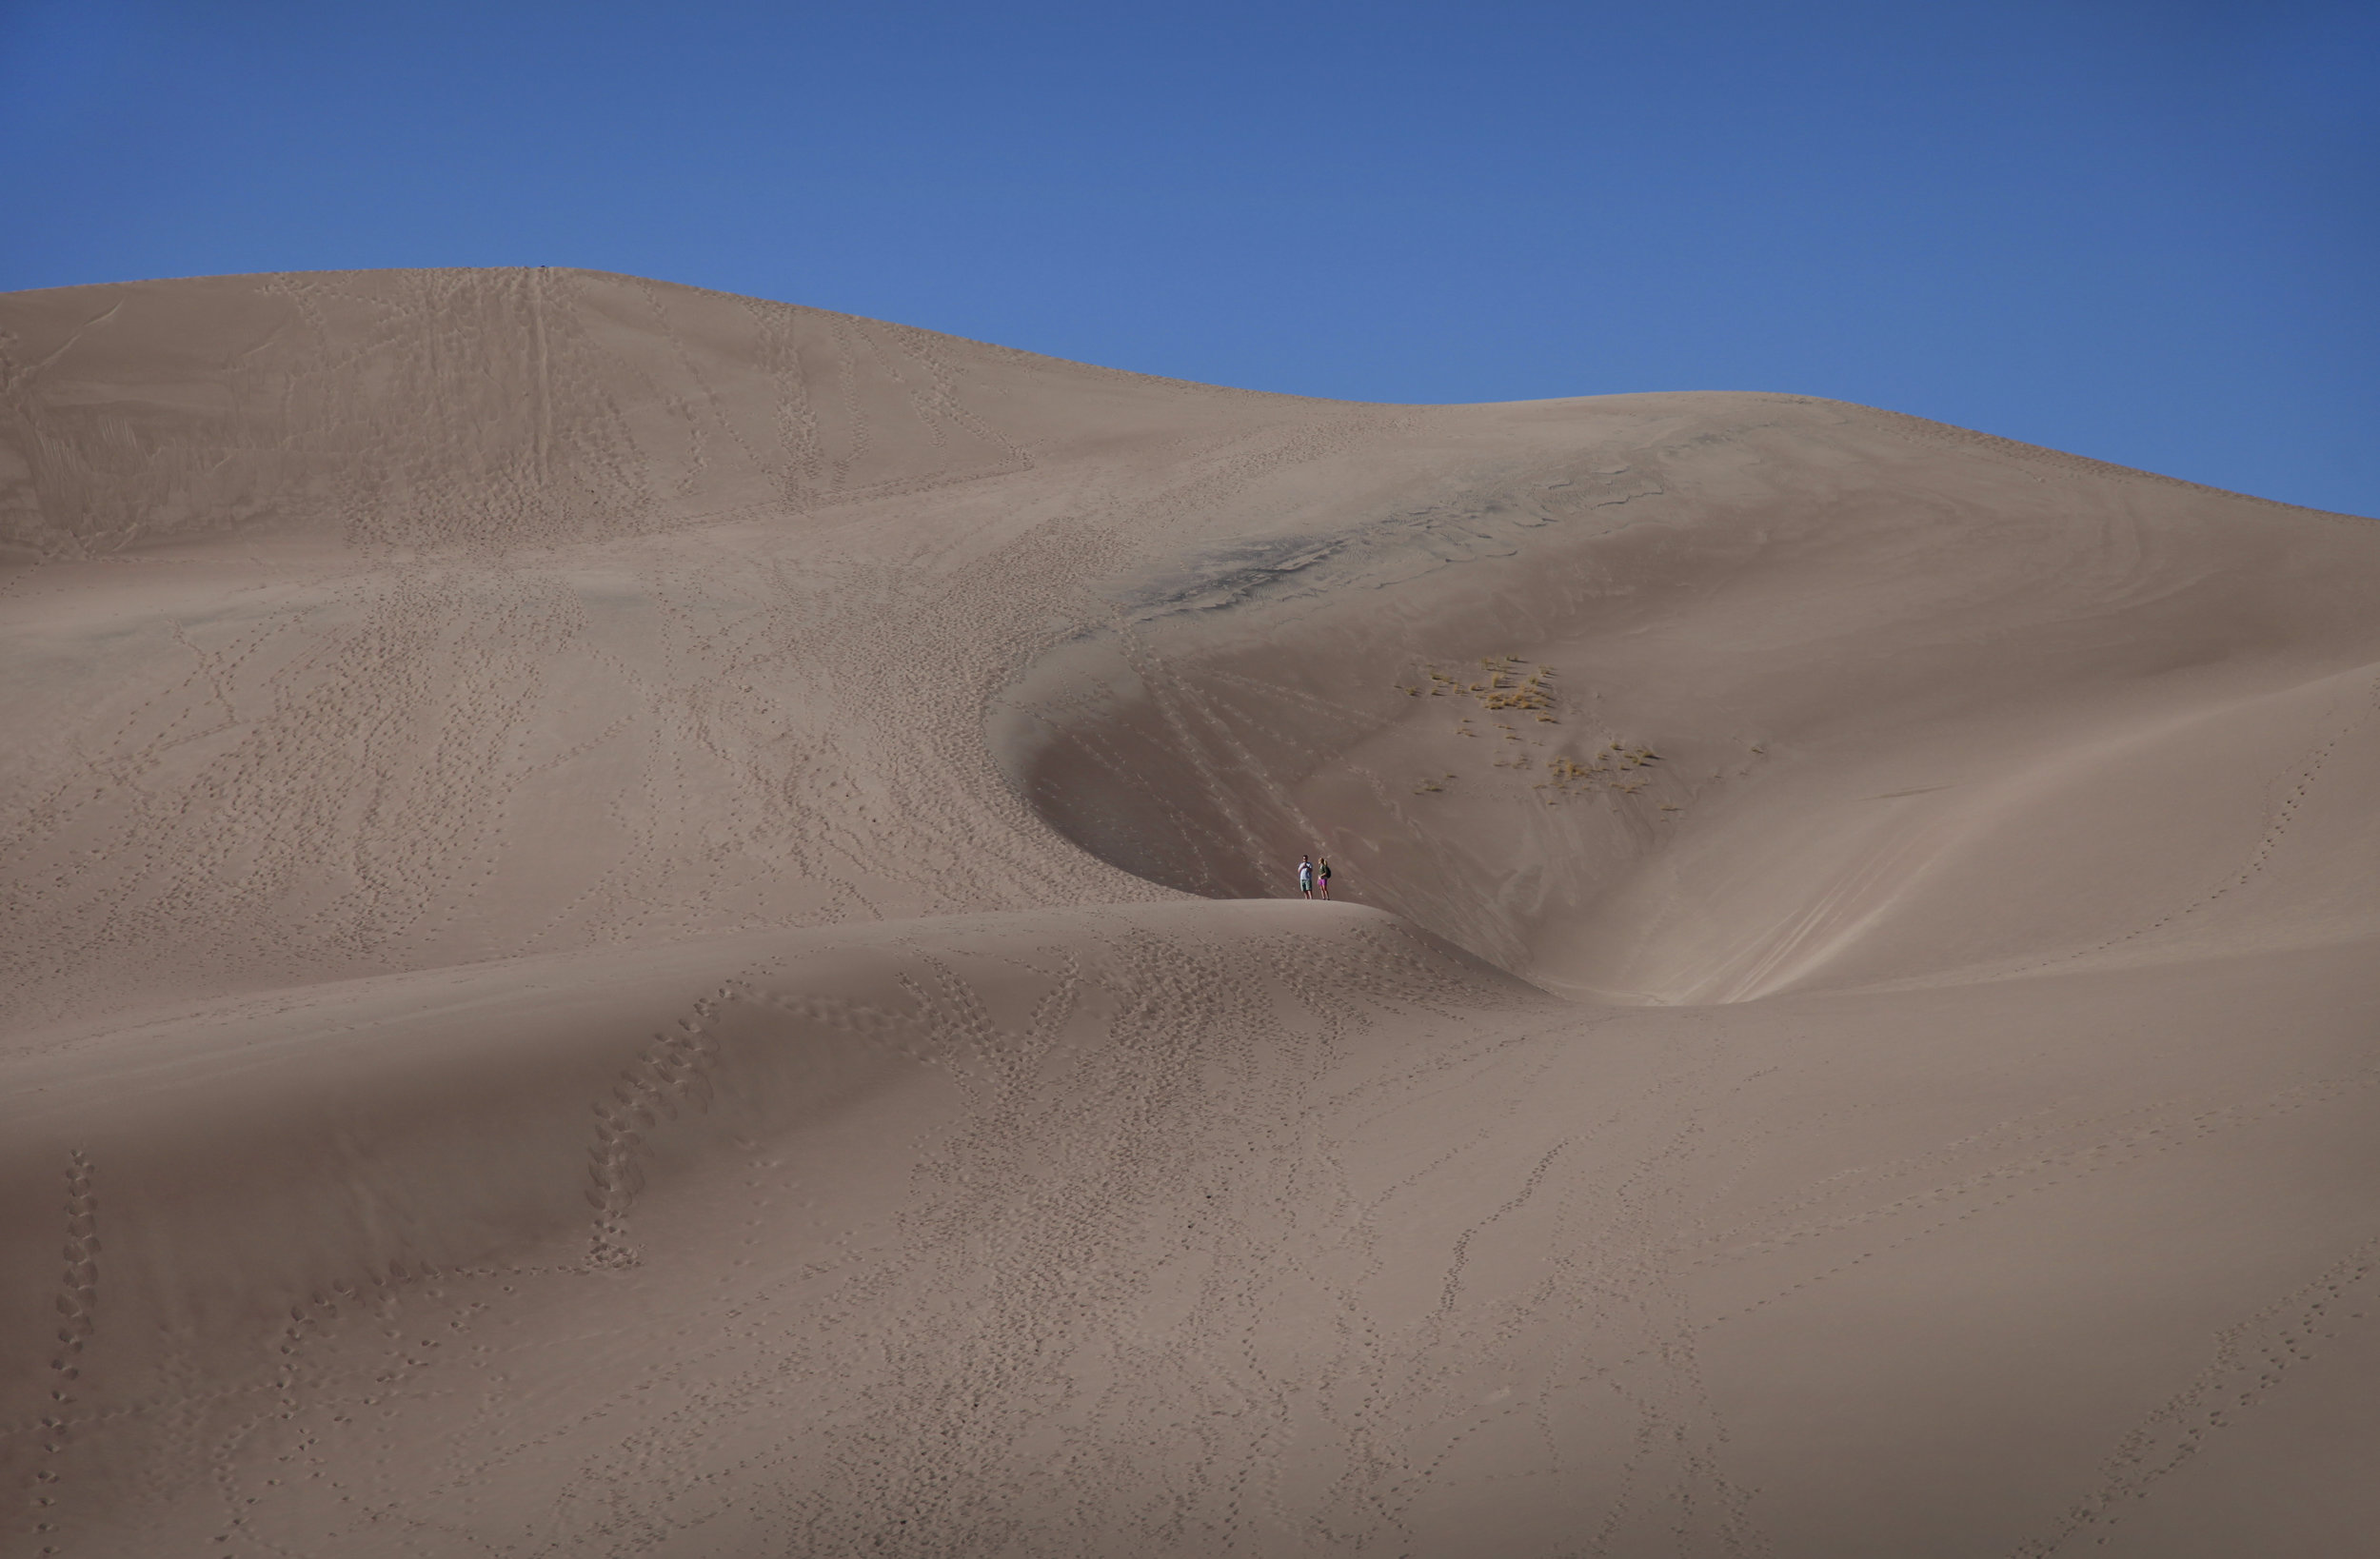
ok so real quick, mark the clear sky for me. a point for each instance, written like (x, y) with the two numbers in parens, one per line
(2145, 230)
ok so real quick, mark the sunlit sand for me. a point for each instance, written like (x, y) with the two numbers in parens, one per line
(643, 922)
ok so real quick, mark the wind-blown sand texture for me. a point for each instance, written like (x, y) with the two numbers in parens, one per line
(642, 922)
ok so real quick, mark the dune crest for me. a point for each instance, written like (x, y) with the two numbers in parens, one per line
(642, 921)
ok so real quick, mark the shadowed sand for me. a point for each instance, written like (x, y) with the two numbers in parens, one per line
(642, 922)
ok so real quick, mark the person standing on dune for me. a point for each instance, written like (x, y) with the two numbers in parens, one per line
(1305, 875)
(1323, 876)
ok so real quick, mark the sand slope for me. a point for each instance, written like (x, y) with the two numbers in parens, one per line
(639, 921)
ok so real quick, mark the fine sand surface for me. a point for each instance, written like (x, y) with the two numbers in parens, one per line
(642, 922)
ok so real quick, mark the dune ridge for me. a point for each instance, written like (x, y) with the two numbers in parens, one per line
(641, 921)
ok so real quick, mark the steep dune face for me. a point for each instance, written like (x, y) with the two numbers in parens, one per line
(637, 921)
(1724, 695)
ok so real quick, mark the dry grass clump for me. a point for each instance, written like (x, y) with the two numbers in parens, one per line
(1608, 768)
(1506, 683)
(1503, 685)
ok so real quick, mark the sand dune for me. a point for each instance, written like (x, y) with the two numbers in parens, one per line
(637, 921)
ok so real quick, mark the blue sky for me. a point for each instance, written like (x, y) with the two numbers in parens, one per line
(2147, 232)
